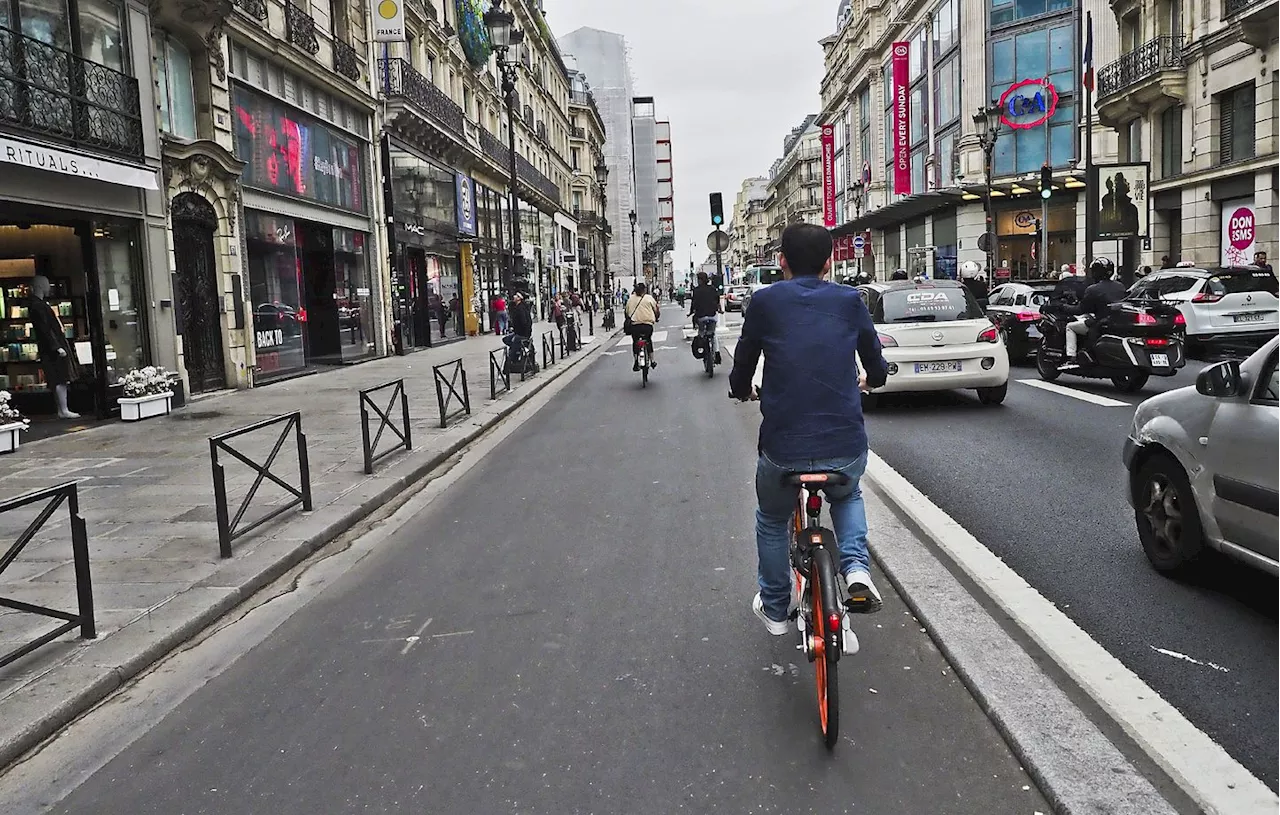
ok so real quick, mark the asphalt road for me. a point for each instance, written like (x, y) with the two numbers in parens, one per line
(1040, 482)
(567, 630)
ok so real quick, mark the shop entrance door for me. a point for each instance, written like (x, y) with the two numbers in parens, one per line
(194, 222)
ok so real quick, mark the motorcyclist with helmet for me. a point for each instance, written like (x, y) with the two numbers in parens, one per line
(1094, 306)
(900, 274)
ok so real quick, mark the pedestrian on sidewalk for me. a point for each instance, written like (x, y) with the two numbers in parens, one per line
(500, 317)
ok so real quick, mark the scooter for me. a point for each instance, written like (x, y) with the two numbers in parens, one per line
(1137, 340)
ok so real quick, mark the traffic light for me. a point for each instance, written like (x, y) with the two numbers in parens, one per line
(717, 209)
(1046, 181)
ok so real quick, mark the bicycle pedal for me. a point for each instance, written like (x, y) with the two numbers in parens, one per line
(848, 640)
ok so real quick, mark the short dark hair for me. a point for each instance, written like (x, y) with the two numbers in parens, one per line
(703, 278)
(641, 288)
(806, 248)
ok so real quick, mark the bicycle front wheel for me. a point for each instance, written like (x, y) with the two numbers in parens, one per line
(823, 600)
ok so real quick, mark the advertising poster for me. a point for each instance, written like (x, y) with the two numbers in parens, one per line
(828, 140)
(1119, 201)
(901, 136)
(1239, 232)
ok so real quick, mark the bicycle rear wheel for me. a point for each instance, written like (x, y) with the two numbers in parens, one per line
(823, 599)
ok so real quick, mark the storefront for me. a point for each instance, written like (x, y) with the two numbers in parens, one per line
(490, 252)
(1018, 228)
(308, 250)
(430, 204)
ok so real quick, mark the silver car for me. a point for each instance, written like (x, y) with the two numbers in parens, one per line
(1203, 466)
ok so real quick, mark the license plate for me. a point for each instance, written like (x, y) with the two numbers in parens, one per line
(1160, 360)
(1256, 317)
(946, 366)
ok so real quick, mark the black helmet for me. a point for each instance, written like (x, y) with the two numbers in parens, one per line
(899, 274)
(1101, 269)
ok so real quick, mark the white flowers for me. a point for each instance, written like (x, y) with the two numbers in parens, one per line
(8, 413)
(146, 381)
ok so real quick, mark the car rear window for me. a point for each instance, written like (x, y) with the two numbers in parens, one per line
(926, 304)
(1162, 285)
(1243, 283)
(1040, 296)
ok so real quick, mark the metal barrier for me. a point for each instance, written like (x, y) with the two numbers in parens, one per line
(610, 320)
(228, 530)
(402, 432)
(450, 384)
(79, 550)
(500, 372)
(548, 349)
(591, 323)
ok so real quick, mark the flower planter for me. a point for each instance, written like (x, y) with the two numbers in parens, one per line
(145, 407)
(9, 438)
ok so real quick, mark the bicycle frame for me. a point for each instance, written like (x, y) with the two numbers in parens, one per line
(817, 636)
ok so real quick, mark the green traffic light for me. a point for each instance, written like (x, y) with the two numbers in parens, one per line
(1046, 193)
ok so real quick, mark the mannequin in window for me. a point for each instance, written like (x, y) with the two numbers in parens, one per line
(56, 357)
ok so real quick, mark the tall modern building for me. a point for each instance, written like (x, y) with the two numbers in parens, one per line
(602, 57)
(655, 203)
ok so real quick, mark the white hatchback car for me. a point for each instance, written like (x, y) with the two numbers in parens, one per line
(1219, 304)
(936, 338)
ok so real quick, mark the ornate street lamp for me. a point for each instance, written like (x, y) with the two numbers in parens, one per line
(635, 262)
(602, 179)
(506, 40)
(986, 124)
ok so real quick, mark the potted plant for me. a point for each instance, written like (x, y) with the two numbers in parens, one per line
(11, 423)
(147, 393)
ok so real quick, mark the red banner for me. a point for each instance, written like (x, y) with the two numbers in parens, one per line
(828, 176)
(901, 136)
(840, 249)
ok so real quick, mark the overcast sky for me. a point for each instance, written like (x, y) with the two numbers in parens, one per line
(732, 76)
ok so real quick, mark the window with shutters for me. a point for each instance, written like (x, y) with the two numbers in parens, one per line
(1171, 141)
(1236, 117)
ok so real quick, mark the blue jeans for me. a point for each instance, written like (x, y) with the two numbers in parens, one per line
(503, 319)
(776, 503)
(707, 328)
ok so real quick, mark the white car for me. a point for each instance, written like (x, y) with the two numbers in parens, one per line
(1219, 304)
(936, 338)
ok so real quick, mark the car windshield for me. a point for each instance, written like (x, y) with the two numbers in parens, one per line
(926, 305)
(1165, 284)
(1242, 283)
(1039, 297)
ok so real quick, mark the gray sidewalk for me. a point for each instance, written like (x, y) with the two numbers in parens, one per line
(146, 494)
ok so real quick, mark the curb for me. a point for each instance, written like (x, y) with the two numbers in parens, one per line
(206, 610)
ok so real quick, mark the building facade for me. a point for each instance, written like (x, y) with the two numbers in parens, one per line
(749, 232)
(602, 56)
(794, 192)
(586, 151)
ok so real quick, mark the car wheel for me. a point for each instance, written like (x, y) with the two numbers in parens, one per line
(1130, 383)
(1166, 515)
(993, 396)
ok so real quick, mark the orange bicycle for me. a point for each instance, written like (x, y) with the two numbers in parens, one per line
(820, 611)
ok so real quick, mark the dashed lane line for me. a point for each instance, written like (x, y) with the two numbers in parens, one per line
(1083, 396)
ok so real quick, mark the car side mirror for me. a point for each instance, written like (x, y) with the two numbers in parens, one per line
(1221, 380)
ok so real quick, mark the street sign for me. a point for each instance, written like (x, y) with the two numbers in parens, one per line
(859, 242)
(986, 242)
(718, 241)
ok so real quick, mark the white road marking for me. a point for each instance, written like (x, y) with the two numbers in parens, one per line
(623, 343)
(1192, 660)
(417, 635)
(1083, 396)
(1214, 780)
(660, 336)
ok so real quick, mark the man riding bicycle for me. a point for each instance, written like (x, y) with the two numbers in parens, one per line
(704, 308)
(644, 313)
(810, 331)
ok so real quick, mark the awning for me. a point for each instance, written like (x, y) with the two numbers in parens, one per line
(901, 211)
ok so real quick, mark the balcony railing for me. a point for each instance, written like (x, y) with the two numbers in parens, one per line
(403, 80)
(345, 60)
(528, 116)
(493, 147)
(537, 180)
(300, 28)
(53, 93)
(578, 132)
(1230, 8)
(257, 9)
(1143, 62)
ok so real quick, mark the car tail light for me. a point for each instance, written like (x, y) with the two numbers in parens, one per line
(1179, 319)
(1142, 318)
(887, 342)
(1157, 342)
(1206, 297)
(989, 335)
(1028, 316)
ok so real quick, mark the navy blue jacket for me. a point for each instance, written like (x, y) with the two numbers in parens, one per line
(809, 331)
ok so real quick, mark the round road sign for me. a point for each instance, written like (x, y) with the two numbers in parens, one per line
(718, 241)
(859, 242)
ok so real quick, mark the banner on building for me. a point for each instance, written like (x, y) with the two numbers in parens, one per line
(901, 136)
(465, 195)
(828, 140)
(1239, 232)
(1118, 198)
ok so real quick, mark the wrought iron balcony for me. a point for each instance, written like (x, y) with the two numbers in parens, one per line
(542, 130)
(1142, 63)
(578, 132)
(257, 9)
(528, 116)
(404, 81)
(48, 92)
(1230, 8)
(345, 60)
(493, 147)
(535, 179)
(300, 28)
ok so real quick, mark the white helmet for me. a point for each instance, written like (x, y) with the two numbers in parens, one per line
(1065, 274)
(970, 269)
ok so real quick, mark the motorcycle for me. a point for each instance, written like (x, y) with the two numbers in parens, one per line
(1137, 340)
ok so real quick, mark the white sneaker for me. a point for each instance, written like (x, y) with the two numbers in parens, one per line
(776, 628)
(863, 596)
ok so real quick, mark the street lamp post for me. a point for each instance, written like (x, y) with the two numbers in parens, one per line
(507, 40)
(857, 213)
(987, 123)
(635, 262)
(646, 259)
(602, 179)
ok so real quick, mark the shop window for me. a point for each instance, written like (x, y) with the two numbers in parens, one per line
(1236, 124)
(116, 251)
(175, 88)
(920, 113)
(352, 293)
(1008, 11)
(1171, 141)
(279, 318)
(947, 158)
(946, 27)
(946, 92)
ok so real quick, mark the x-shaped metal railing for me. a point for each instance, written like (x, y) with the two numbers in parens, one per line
(402, 432)
(228, 527)
(448, 391)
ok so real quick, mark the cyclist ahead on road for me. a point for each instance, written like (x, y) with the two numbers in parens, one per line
(643, 311)
(705, 306)
(810, 332)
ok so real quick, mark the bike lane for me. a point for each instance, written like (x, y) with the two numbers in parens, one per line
(567, 629)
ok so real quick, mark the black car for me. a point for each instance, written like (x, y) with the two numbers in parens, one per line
(1015, 309)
